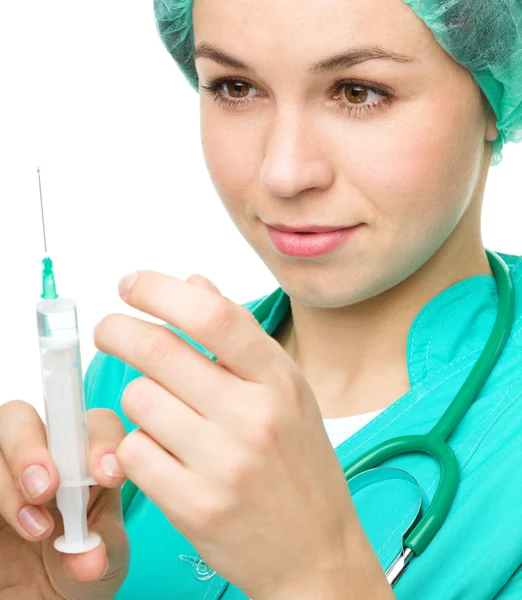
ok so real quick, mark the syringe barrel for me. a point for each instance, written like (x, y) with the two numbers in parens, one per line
(63, 389)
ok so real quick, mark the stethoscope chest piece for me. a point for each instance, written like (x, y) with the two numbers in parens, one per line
(393, 497)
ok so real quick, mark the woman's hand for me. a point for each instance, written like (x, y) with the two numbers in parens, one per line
(234, 452)
(30, 567)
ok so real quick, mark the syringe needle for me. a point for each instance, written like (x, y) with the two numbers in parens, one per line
(41, 204)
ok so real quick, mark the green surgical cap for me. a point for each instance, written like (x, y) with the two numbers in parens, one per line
(485, 36)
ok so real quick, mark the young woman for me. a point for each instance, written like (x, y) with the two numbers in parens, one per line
(372, 124)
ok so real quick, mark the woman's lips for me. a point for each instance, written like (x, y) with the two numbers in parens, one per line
(309, 244)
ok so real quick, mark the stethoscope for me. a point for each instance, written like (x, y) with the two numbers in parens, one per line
(362, 471)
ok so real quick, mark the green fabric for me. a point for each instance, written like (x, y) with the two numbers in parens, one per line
(477, 555)
(485, 36)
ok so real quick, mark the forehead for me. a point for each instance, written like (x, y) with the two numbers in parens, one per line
(299, 30)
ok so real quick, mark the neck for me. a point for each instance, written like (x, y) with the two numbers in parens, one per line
(354, 357)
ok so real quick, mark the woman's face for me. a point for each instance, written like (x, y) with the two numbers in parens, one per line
(287, 146)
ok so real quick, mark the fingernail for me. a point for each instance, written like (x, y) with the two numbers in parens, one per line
(126, 283)
(109, 465)
(35, 480)
(33, 520)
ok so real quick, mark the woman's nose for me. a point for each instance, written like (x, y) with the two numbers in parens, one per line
(295, 159)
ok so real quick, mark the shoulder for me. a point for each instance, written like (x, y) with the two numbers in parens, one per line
(107, 376)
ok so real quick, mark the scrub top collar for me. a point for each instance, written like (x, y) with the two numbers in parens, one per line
(454, 324)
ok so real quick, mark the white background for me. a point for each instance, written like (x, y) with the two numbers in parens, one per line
(88, 92)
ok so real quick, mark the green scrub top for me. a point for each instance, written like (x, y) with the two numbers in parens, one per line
(477, 555)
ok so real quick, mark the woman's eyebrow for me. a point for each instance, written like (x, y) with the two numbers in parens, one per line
(351, 57)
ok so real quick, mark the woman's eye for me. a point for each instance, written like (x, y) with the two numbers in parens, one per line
(354, 96)
(237, 89)
(230, 92)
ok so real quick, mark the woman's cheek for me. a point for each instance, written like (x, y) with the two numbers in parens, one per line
(420, 170)
(228, 156)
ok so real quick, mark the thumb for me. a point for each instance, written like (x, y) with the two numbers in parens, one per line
(203, 282)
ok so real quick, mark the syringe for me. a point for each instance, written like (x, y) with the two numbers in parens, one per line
(65, 410)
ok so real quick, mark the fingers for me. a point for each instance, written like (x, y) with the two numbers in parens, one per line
(203, 282)
(167, 359)
(87, 567)
(32, 523)
(23, 441)
(226, 329)
(28, 476)
(106, 431)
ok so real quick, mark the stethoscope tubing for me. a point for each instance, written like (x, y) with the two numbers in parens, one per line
(434, 443)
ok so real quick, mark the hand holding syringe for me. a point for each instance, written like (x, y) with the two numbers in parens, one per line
(37, 488)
